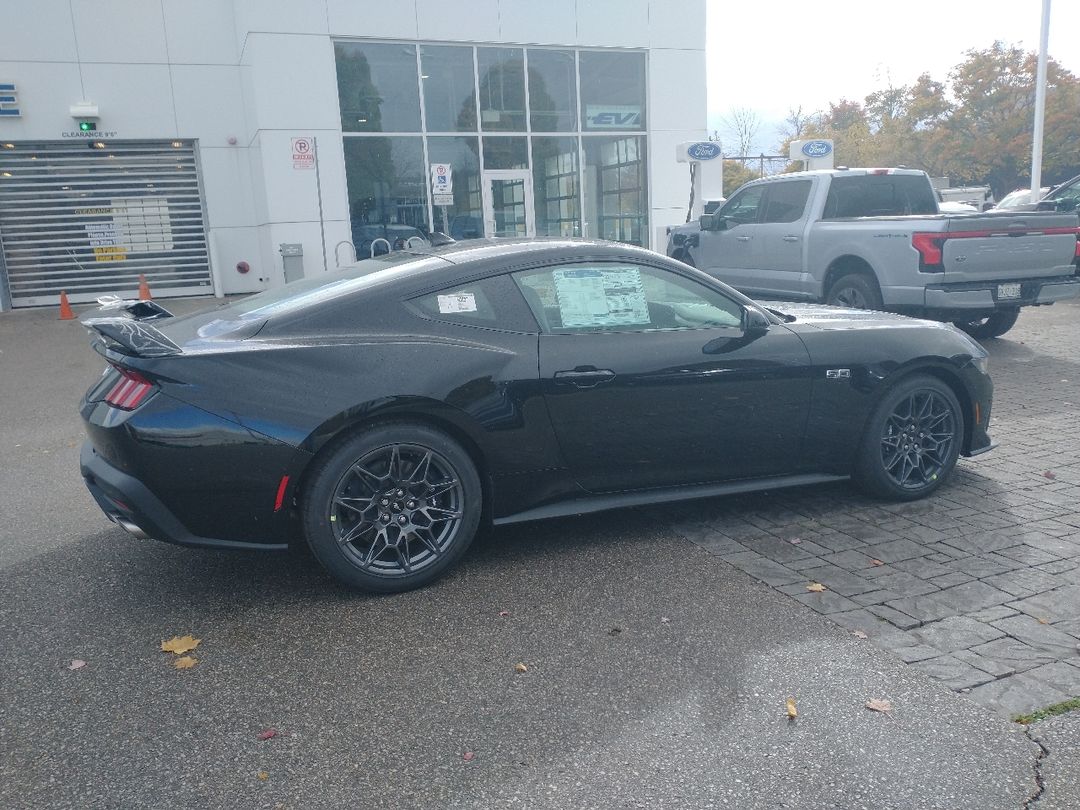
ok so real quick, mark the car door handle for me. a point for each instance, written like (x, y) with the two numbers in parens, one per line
(743, 238)
(790, 238)
(584, 376)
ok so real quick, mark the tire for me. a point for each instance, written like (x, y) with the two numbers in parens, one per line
(855, 290)
(407, 495)
(994, 325)
(895, 460)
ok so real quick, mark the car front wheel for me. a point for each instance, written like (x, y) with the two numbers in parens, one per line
(392, 508)
(911, 441)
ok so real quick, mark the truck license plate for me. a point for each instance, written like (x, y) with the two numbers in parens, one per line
(1008, 290)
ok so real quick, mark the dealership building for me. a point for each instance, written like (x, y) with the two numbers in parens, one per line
(226, 146)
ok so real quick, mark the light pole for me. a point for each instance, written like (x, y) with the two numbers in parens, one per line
(1040, 105)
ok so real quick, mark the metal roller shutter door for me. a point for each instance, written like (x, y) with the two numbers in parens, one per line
(88, 217)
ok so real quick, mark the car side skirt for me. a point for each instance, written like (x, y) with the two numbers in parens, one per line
(621, 500)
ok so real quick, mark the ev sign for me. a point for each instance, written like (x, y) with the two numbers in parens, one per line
(442, 184)
(303, 153)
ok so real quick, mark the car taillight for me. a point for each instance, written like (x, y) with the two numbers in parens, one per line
(929, 246)
(130, 390)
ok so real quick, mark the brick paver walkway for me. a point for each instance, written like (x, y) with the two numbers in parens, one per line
(978, 586)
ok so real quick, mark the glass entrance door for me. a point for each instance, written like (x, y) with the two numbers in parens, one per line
(508, 203)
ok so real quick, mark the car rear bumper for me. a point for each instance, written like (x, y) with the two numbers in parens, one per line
(985, 296)
(129, 503)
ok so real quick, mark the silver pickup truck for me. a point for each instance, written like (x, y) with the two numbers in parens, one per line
(875, 239)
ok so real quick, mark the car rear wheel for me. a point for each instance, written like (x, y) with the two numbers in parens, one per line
(994, 325)
(855, 290)
(911, 441)
(392, 508)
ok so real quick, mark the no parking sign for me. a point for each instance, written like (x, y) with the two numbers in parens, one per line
(442, 184)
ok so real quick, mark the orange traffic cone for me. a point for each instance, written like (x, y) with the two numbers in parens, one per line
(144, 289)
(66, 313)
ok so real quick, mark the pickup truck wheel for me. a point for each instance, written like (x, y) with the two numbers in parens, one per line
(911, 441)
(855, 290)
(992, 326)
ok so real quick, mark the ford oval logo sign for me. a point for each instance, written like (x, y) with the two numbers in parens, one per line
(704, 150)
(816, 149)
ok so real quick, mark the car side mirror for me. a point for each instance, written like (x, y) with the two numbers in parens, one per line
(755, 323)
(706, 222)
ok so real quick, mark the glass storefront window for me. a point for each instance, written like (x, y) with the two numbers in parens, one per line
(616, 204)
(612, 90)
(506, 153)
(449, 88)
(377, 87)
(387, 185)
(557, 197)
(463, 219)
(552, 90)
(502, 89)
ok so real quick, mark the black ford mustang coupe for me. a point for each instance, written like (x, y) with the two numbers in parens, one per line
(385, 411)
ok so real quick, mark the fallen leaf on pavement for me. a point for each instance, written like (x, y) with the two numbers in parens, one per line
(1043, 620)
(816, 587)
(795, 541)
(614, 631)
(263, 775)
(468, 756)
(76, 664)
(859, 634)
(665, 620)
(504, 612)
(792, 712)
(180, 644)
(877, 562)
(520, 668)
(266, 735)
(186, 662)
(1049, 475)
(879, 705)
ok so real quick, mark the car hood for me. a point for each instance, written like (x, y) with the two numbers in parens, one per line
(823, 316)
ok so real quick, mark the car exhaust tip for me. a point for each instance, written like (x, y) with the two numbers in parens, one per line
(131, 528)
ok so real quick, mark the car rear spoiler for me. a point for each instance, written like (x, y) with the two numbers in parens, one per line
(123, 326)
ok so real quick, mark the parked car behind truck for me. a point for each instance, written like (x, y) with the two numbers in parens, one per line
(876, 239)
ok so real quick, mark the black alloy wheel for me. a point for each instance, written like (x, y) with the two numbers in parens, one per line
(993, 325)
(393, 508)
(912, 440)
(856, 291)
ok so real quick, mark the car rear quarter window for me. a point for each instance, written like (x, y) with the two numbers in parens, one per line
(491, 303)
(879, 195)
(622, 297)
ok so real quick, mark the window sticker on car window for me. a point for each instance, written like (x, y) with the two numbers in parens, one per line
(457, 302)
(612, 296)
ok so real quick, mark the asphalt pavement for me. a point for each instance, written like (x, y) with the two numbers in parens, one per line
(656, 674)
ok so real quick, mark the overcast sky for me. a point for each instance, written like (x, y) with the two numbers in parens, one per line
(774, 55)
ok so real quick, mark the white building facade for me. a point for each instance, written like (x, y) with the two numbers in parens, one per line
(226, 146)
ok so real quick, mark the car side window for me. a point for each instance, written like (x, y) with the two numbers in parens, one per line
(744, 207)
(492, 303)
(785, 201)
(622, 297)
